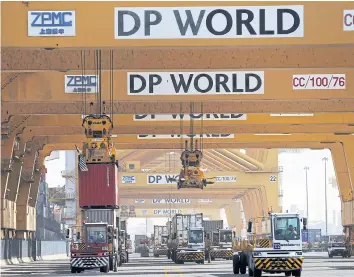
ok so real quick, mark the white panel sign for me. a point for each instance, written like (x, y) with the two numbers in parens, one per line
(205, 201)
(161, 179)
(209, 22)
(51, 23)
(195, 83)
(272, 178)
(207, 136)
(128, 179)
(187, 117)
(348, 20)
(167, 211)
(171, 201)
(225, 179)
(81, 83)
(319, 81)
(139, 201)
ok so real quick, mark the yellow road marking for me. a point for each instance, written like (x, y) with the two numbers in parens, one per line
(165, 270)
(179, 269)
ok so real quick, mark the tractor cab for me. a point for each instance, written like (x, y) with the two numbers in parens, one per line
(95, 240)
(225, 238)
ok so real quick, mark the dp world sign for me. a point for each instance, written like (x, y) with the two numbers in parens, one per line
(206, 22)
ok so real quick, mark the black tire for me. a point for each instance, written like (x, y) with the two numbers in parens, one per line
(212, 258)
(288, 273)
(297, 273)
(115, 264)
(243, 264)
(201, 261)
(78, 270)
(110, 262)
(236, 265)
(73, 269)
(257, 272)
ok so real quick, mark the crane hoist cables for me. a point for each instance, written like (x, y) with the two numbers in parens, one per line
(202, 128)
(100, 79)
(111, 84)
(191, 130)
(181, 125)
(83, 84)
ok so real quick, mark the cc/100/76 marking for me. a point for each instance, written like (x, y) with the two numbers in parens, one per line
(319, 81)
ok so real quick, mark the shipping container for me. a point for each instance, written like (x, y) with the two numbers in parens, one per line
(311, 235)
(98, 187)
(101, 215)
(212, 225)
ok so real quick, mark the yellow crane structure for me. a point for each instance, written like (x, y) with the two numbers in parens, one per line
(191, 176)
(98, 147)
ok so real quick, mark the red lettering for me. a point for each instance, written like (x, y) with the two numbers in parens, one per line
(302, 81)
(349, 19)
(298, 82)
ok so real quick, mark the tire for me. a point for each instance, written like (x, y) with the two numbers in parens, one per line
(212, 258)
(120, 262)
(115, 264)
(257, 272)
(243, 264)
(297, 273)
(111, 262)
(202, 261)
(288, 273)
(236, 265)
(73, 269)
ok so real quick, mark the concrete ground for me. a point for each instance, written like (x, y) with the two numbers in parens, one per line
(316, 265)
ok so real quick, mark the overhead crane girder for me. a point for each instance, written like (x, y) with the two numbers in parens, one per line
(127, 141)
(273, 84)
(168, 107)
(125, 120)
(244, 141)
(184, 202)
(180, 58)
(89, 34)
(222, 129)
